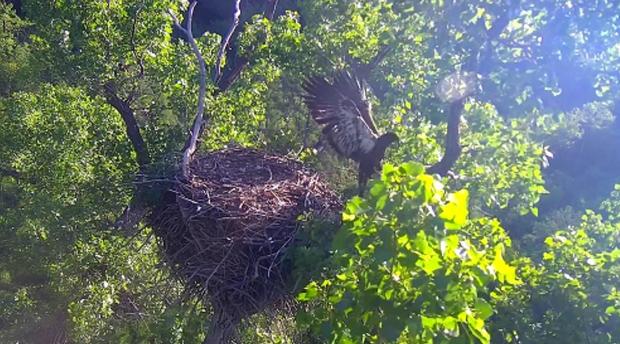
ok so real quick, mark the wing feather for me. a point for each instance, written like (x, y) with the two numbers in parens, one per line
(353, 88)
(337, 106)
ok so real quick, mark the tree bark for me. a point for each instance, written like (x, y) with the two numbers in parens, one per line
(452, 145)
(131, 125)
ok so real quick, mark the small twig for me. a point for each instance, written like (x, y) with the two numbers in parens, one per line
(226, 41)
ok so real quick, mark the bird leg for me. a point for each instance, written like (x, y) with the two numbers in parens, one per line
(362, 180)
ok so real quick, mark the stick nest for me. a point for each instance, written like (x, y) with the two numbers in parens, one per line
(226, 231)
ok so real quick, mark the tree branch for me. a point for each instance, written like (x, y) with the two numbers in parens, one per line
(131, 125)
(227, 80)
(452, 143)
(452, 146)
(226, 41)
(192, 141)
(223, 83)
(270, 10)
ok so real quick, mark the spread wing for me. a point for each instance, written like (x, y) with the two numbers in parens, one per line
(342, 108)
(353, 88)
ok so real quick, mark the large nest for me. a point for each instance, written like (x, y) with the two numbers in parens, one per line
(227, 229)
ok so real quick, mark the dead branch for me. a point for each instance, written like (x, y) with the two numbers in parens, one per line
(192, 140)
(226, 42)
(131, 125)
(223, 82)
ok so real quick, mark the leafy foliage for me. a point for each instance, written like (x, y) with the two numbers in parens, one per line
(410, 268)
(419, 260)
(576, 278)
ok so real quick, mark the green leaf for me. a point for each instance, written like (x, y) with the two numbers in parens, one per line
(483, 309)
(311, 291)
(505, 272)
(455, 212)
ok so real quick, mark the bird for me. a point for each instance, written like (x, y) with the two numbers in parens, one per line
(342, 108)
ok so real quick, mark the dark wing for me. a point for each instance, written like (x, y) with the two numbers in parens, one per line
(337, 107)
(352, 87)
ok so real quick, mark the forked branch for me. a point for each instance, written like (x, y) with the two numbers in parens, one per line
(192, 141)
(226, 42)
(222, 82)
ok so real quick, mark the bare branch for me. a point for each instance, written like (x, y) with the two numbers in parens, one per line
(131, 125)
(199, 122)
(452, 146)
(226, 81)
(233, 75)
(270, 10)
(226, 41)
(222, 83)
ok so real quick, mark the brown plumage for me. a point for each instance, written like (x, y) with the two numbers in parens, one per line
(345, 113)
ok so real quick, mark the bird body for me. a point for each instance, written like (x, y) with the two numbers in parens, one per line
(344, 111)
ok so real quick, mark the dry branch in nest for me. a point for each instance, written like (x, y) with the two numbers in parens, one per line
(227, 228)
